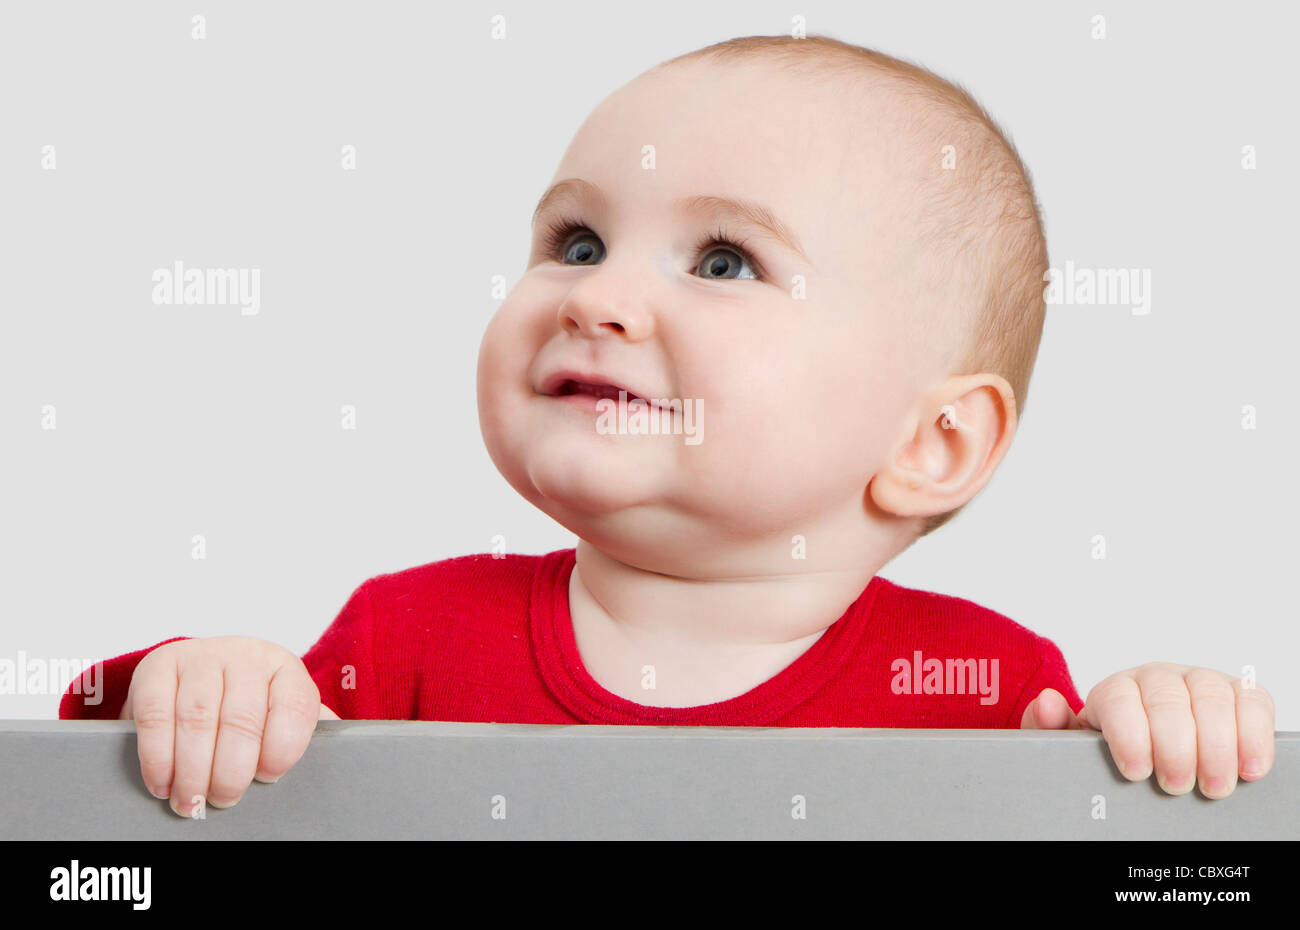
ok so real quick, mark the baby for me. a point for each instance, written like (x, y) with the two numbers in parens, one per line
(778, 322)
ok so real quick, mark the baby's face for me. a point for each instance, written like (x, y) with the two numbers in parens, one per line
(792, 345)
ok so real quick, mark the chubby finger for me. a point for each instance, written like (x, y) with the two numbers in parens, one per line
(1255, 725)
(239, 734)
(1115, 708)
(151, 700)
(327, 714)
(1173, 727)
(198, 703)
(1049, 711)
(1214, 709)
(294, 703)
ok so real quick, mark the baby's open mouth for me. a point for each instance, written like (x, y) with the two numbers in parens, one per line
(598, 391)
(589, 387)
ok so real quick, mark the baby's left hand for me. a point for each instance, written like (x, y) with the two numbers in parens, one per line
(1195, 721)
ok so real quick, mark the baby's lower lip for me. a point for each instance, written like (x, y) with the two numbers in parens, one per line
(578, 400)
(589, 401)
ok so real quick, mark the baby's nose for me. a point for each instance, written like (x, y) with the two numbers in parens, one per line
(592, 310)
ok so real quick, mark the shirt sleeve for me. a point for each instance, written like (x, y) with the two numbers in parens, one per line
(342, 663)
(1052, 672)
(101, 690)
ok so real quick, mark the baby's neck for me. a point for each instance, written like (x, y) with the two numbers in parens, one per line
(706, 639)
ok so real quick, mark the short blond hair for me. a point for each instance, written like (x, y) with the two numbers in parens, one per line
(998, 241)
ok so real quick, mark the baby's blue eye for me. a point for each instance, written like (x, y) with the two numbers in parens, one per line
(722, 263)
(585, 250)
(724, 258)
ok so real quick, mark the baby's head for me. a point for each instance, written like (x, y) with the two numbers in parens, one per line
(833, 259)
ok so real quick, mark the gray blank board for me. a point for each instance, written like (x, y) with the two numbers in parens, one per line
(361, 779)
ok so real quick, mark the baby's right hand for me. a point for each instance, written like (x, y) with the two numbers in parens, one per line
(212, 714)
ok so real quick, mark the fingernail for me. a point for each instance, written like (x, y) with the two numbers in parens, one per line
(159, 792)
(1252, 768)
(1216, 785)
(1134, 770)
(1174, 785)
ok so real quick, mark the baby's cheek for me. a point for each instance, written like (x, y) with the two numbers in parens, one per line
(764, 444)
(825, 434)
(503, 386)
(509, 347)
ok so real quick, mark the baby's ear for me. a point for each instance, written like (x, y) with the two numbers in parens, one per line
(955, 439)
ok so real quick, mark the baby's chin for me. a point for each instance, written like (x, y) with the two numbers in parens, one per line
(595, 477)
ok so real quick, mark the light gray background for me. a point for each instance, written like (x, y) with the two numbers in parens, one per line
(175, 421)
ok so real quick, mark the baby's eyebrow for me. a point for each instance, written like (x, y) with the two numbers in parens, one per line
(754, 214)
(574, 188)
(747, 211)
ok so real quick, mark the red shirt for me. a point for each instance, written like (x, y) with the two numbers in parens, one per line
(489, 639)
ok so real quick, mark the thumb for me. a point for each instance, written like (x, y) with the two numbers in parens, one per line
(1050, 711)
